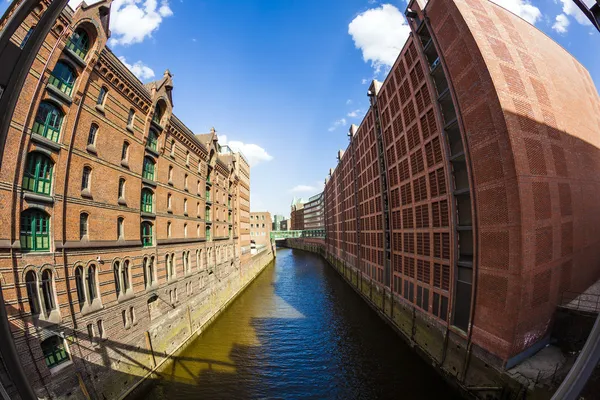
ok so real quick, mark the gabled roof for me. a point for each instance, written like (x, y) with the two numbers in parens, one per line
(166, 81)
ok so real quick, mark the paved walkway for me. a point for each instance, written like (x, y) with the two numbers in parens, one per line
(586, 301)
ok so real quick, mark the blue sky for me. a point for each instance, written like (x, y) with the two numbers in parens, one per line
(283, 79)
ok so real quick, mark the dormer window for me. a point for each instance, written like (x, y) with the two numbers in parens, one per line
(79, 43)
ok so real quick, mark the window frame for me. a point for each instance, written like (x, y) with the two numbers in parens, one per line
(52, 122)
(38, 230)
(149, 169)
(63, 77)
(81, 45)
(147, 234)
(40, 179)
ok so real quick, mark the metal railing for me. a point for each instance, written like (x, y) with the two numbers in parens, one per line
(581, 301)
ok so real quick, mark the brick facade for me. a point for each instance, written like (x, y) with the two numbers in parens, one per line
(260, 228)
(470, 181)
(137, 222)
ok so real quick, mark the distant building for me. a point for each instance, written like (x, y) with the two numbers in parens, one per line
(260, 228)
(277, 222)
(297, 214)
(313, 212)
(283, 225)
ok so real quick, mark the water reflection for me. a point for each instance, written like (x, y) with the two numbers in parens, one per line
(299, 331)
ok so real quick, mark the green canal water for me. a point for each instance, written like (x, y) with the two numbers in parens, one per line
(298, 332)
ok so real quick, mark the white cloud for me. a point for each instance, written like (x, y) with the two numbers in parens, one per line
(354, 114)
(569, 8)
(380, 34)
(522, 8)
(139, 69)
(253, 152)
(318, 187)
(364, 81)
(337, 124)
(561, 24)
(132, 21)
(348, 101)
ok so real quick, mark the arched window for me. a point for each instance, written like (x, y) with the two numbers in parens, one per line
(48, 121)
(130, 118)
(122, 188)
(151, 265)
(152, 140)
(91, 282)
(185, 182)
(32, 292)
(116, 269)
(170, 174)
(27, 36)
(173, 148)
(48, 291)
(92, 135)
(207, 216)
(208, 233)
(35, 230)
(147, 239)
(38, 173)
(187, 159)
(184, 230)
(147, 200)
(86, 178)
(172, 265)
(169, 201)
(148, 271)
(79, 43)
(125, 276)
(79, 284)
(120, 228)
(102, 95)
(83, 225)
(185, 206)
(158, 113)
(125, 151)
(168, 229)
(54, 351)
(63, 78)
(148, 170)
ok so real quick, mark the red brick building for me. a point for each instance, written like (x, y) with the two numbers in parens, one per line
(469, 188)
(118, 221)
(297, 215)
(260, 228)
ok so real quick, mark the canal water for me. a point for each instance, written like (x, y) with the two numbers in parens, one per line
(299, 331)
